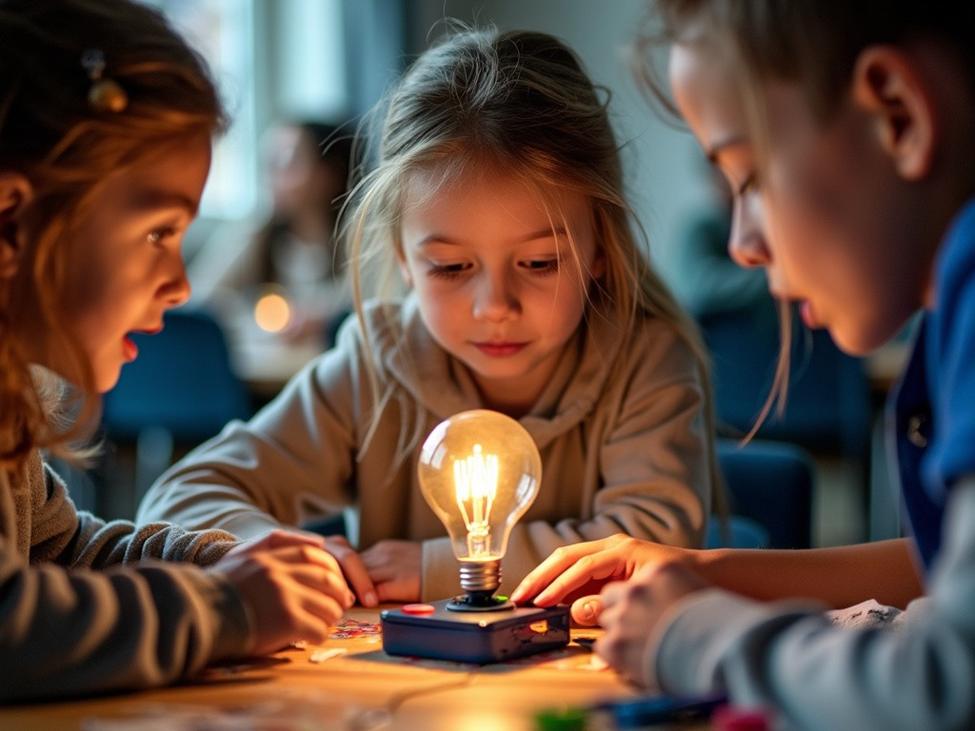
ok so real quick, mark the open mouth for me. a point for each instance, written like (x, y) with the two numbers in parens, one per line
(129, 349)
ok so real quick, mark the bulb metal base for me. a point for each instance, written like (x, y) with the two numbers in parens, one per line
(480, 576)
(479, 579)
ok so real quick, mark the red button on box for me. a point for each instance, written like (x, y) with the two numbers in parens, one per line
(419, 609)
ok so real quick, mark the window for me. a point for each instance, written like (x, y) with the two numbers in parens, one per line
(270, 59)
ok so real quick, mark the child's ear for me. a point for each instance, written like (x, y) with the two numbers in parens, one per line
(15, 194)
(888, 84)
(599, 263)
(598, 268)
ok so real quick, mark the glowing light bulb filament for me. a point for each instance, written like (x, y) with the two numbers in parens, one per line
(476, 485)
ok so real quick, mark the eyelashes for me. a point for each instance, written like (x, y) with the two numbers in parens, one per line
(541, 267)
(535, 267)
(748, 184)
(448, 271)
(159, 236)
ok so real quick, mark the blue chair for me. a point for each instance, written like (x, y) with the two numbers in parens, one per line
(181, 390)
(828, 407)
(770, 488)
(740, 533)
(182, 381)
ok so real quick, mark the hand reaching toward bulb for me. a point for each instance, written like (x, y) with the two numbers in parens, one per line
(577, 572)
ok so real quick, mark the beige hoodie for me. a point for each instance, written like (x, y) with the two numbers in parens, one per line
(624, 454)
(67, 630)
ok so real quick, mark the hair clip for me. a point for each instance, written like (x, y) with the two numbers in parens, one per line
(105, 95)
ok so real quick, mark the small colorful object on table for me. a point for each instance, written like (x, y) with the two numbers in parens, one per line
(350, 629)
(638, 713)
(568, 719)
(418, 609)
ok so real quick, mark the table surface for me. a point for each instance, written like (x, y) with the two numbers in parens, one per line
(360, 689)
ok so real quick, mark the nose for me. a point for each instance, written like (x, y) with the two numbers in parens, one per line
(495, 299)
(176, 291)
(747, 245)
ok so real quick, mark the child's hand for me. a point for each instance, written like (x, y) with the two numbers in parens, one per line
(293, 587)
(395, 567)
(354, 569)
(584, 568)
(631, 611)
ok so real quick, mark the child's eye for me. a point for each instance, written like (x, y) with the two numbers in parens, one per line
(159, 236)
(749, 184)
(448, 271)
(541, 266)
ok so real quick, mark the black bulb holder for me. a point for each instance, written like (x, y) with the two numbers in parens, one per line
(477, 626)
(480, 601)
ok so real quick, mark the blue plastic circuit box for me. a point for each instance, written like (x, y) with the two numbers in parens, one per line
(475, 637)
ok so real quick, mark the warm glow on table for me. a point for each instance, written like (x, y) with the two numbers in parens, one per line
(360, 685)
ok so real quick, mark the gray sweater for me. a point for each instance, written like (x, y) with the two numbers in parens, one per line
(921, 676)
(68, 630)
(620, 427)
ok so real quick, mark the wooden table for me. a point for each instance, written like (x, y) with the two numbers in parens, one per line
(361, 690)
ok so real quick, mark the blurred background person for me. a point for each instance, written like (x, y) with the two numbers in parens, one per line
(294, 251)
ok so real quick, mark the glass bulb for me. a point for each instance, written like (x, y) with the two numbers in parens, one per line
(479, 471)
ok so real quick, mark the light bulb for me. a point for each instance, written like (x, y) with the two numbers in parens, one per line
(480, 472)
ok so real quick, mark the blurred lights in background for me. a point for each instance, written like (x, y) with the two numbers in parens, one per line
(272, 312)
